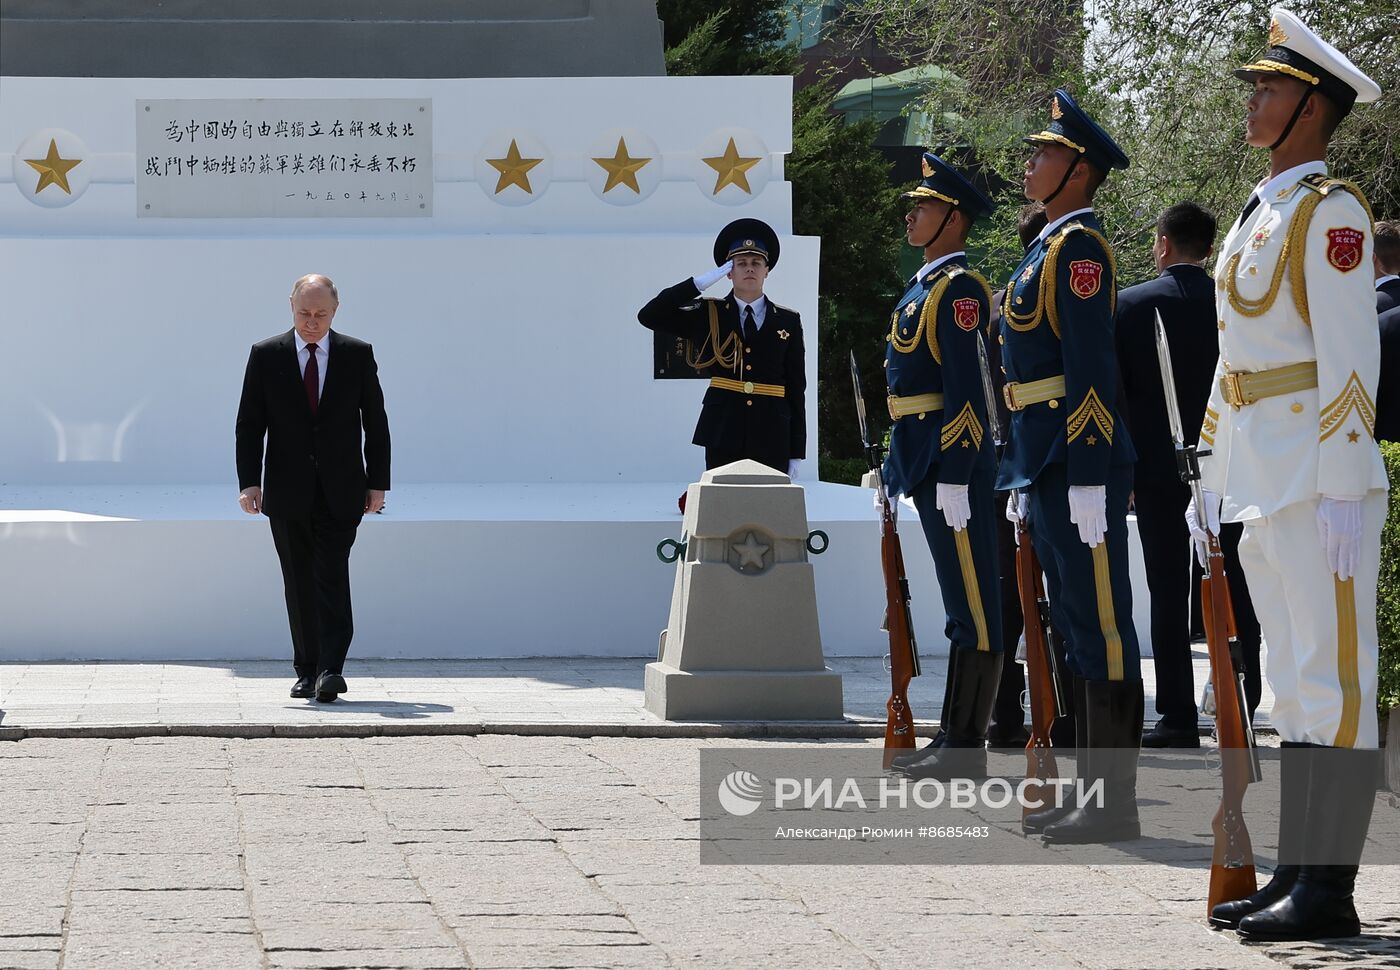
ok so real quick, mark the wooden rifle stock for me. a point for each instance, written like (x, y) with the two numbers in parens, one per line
(904, 653)
(1232, 857)
(1040, 761)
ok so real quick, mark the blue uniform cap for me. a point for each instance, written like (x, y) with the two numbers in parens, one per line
(1072, 127)
(747, 236)
(943, 182)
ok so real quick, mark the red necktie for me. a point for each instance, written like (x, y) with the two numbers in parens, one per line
(312, 378)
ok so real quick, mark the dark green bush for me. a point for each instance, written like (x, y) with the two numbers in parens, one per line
(1388, 590)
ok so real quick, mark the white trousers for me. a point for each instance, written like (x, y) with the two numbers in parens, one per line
(1319, 633)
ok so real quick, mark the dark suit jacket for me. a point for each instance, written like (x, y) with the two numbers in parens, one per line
(1185, 296)
(755, 425)
(345, 448)
(1388, 296)
(1388, 386)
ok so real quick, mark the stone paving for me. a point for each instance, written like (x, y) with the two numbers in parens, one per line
(506, 851)
(519, 696)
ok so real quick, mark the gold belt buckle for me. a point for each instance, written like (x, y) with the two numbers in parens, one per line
(889, 403)
(748, 387)
(1233, 391)
(1008, 394)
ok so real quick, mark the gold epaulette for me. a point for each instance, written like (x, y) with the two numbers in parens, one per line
(1325, 185)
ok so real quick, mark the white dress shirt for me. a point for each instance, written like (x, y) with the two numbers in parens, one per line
(930, 267)
(1051, 227)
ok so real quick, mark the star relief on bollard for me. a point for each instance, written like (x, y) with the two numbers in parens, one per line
(749, 551)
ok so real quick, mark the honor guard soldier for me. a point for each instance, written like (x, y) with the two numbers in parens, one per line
(750, 346)
(942, 457)
(1072, 462)
(1289, 425)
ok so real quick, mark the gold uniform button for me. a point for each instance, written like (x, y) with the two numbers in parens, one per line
(748, 367)
(1001, 340)
(1018, 301)
(921, 415)
(749, 403)
(749, 350)
(1253, 270)
(1220, 324)
(1297, 408)
(1054, 404)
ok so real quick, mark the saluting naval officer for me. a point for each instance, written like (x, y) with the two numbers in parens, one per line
(751, 348)
(1073, 462)
(1289, 425)
(942, 457)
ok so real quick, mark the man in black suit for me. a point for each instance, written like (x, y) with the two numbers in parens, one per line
(1185, 296)
(1387, 391)
(314, 394)
(750, 347)
(1386, 257)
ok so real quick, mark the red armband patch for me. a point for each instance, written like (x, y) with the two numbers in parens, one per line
(1084, 277)
(1344, 248)
(967, 313)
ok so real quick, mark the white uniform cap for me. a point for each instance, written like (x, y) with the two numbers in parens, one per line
(1297, 52)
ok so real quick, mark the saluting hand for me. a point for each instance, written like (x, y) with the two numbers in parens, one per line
(703, 281)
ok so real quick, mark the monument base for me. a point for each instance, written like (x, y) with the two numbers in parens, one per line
(743, 695)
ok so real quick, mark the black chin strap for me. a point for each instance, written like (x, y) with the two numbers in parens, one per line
(941, 226)
(1297, 112)
(1063, 182)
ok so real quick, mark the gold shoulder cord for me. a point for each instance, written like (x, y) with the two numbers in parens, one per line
(987, 289)
(1049, 289)
(1291, 257)
(904, 345)
(726, 354)
(936, 297)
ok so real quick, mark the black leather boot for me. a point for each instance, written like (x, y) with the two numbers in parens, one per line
(1036, 821)
(963, 754)
(1113, 711)
(1320, 905)
(1295, 775)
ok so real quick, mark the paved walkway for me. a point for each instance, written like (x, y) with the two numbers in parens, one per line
(395, 697)
(492, 851)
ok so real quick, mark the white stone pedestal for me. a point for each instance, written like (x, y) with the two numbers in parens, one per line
(742, 641)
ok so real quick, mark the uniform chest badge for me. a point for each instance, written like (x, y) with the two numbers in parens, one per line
(1260, 237)
(782, 334)
(1344, 248)
(966, 313)
(1028, 272)
(1085, 275)
(911, 309)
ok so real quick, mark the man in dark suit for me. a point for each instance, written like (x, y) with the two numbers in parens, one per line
(1185, 296)
(314, 394)
(1387, 392)
(1386, 257)
(751, 348)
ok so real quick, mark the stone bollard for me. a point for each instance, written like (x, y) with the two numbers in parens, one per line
(742, 641)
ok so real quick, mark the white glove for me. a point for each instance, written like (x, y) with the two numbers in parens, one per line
(1018, 509)
(1339, 528)
(793, 465)
(706, 280)
(1088, 509)
(954, 503)
(1211, 524)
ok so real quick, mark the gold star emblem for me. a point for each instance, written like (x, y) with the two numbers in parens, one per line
(912, 309)
(514, 169)
(782, 334)
(1352, 436)
(1091, 440)
(52, 169)
(966, 443)
(732, 168)
(622, 169)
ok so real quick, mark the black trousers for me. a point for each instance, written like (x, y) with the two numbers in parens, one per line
(1173, 576)
(315, 554)
(715, 457)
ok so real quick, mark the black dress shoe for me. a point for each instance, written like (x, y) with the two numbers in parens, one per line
(329, 686)
(304, 687)
(1016, 737)
(1165, 736)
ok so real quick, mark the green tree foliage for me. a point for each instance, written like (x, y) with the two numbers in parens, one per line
(841, 193)
(1156, 73)
(1388, 590)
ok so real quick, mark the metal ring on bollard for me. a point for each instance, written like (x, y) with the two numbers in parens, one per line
(677, 550)
(826, 542)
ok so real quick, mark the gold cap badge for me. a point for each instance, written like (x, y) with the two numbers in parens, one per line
(928, 169)
(1277, 38)
(1055, 111)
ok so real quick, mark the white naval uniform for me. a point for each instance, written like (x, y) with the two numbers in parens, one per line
(1273, 460)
